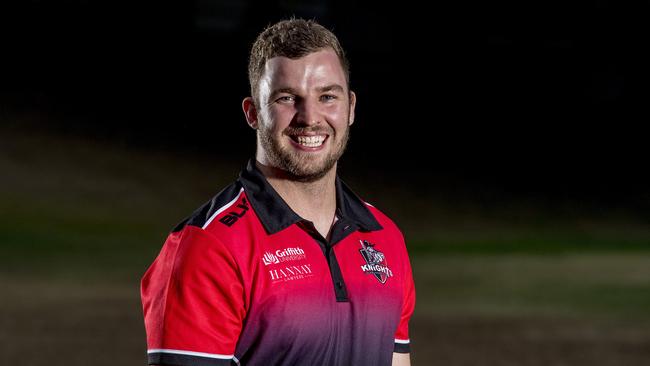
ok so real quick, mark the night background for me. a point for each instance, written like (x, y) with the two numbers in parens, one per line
(506, 139)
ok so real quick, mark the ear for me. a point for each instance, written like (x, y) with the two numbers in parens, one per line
(250, 111)
(353, 103)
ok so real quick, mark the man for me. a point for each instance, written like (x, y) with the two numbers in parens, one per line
(286, 266)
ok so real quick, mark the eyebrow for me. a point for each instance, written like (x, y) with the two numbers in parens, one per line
(284, 90)
(331, 87)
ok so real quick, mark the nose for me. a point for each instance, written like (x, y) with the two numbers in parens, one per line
(307, 112)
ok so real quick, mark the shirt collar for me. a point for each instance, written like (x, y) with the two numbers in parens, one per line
(276, 215)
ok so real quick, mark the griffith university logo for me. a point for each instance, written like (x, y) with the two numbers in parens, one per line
(269, 258)
(375, 262)
(283, 255)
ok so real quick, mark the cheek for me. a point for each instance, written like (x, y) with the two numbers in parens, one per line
(338, 115)
(282, 115)
(273, 121)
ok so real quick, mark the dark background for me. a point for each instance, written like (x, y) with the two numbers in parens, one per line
(541, 100)
(507, 140)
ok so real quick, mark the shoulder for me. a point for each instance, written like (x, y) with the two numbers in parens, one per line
(366, 213)
(390, 233)
(213, 209)
(220, 220)
(386, 222)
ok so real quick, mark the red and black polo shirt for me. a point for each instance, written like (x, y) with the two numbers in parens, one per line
(246, 281)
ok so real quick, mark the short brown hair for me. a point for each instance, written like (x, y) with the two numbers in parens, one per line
(292, 38)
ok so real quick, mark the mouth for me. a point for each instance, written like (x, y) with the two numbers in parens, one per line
(310, 142)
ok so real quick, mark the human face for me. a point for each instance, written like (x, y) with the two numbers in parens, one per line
(304, 114)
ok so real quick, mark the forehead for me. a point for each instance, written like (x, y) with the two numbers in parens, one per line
(317, 68)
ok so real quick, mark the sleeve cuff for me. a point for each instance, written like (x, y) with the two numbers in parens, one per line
(185, 358)
(402, 346)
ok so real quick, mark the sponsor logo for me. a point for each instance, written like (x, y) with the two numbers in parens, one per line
(375, 262)
(283, 255)
(291, 273)
(269, 258)
(232, 216)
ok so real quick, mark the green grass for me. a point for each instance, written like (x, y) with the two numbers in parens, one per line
(578, 285)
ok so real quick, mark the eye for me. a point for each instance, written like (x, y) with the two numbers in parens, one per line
(286, 99)
(328, 97)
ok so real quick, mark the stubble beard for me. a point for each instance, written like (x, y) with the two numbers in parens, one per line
(301, 166)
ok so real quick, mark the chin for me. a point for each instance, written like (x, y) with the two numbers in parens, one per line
(303, 171)
(308, 177)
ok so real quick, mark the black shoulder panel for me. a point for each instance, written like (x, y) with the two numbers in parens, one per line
(203, 213)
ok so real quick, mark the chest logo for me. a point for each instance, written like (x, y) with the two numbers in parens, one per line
(375, 262)
(283, 255)
(290, 273)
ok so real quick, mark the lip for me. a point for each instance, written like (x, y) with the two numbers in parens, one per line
(306, 148)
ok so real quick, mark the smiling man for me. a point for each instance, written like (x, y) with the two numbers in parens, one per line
(286, 266)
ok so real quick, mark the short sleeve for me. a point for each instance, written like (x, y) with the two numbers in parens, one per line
(402, 340)
(193, 300)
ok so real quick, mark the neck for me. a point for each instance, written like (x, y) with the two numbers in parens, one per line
(314, 201)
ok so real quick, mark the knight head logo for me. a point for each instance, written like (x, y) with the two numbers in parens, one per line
(375, 262)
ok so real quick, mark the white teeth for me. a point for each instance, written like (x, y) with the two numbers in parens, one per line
(310, 141)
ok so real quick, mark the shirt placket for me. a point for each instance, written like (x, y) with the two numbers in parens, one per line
(341, 229)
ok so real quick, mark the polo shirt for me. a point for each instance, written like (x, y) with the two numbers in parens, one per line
(246, 281)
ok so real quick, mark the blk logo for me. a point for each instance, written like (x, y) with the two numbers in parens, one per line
(232, 216)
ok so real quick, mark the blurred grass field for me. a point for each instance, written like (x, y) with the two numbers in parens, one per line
(80, 221)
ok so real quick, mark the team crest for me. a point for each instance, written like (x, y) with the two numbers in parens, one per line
(375, 262)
